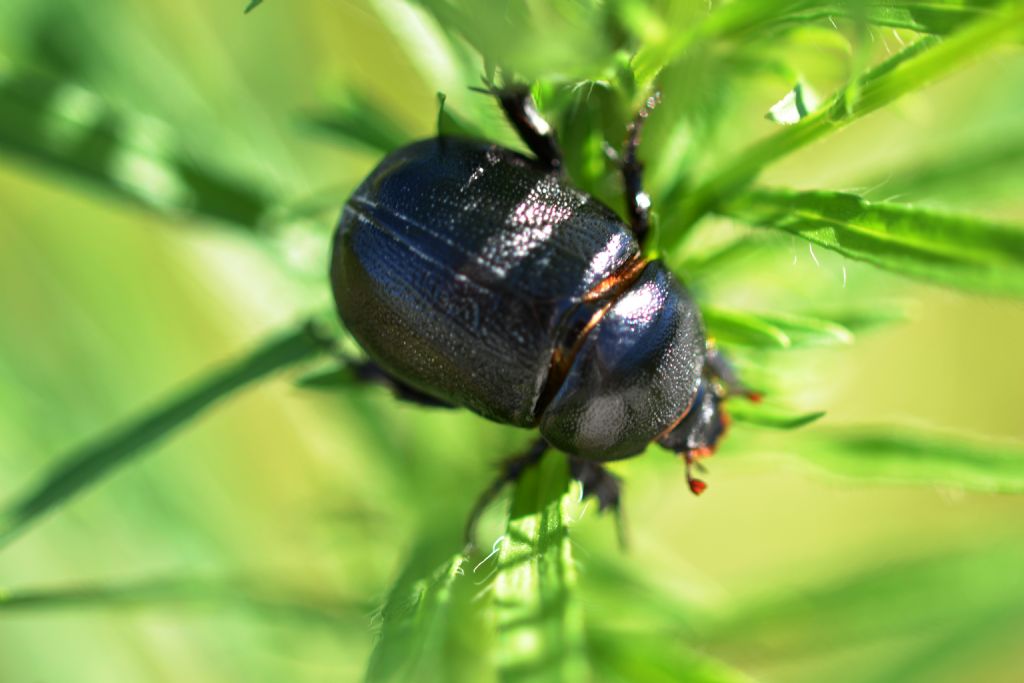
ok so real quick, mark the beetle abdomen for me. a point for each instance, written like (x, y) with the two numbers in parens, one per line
(454, 263)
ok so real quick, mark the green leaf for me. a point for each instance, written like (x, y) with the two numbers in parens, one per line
(975, 172)
(667, 38)
(357, 119)
(87, 465)
(328, 379)
(884, 602)
(806, 330)
(641, 630)
(423, 618)
(582, 134)
(540, 624)
(749, 246)
(69, 129)
(178, 592)
(629, 656)
(620, 591)
(962, 647)
(698, 93)
(772, 330)
(904, 456)
(451, 124)
(909, 70)
(681, 30)
(924, 16)
(746, 329)
(533, 39)
(861, 318)
(960, 252)
(768, 415)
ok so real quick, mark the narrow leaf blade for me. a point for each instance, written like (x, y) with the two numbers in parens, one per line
(421, 614)
(743, 328)
(655, 658)
(885, 601)
(773, 329)
(357, 119)
(449, 123)
(87, 465)
(540, 625)
(955, 251)
(768, 415)
(905, 456)
(931, 16)
(328, 379)
(71, 130)
(178, 592)
(975, 171)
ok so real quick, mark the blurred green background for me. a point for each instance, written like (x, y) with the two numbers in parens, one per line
(257, 543)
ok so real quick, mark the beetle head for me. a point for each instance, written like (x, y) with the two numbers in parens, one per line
(697, 434)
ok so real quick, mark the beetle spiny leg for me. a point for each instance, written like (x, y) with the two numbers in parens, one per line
(521, 111)
(635, 128)
(511, 469)
(595, 480)
(638, 202)
(611, 153)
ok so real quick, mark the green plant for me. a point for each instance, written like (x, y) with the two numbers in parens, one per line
(533, 609)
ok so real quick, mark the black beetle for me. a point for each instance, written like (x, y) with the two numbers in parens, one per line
(475, 276)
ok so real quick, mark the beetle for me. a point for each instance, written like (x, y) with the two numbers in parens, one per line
(479, 277)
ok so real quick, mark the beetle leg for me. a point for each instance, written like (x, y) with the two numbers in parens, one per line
(511, 469)
(638, 202)
(521, 111)
(371, 373)
(598, 482)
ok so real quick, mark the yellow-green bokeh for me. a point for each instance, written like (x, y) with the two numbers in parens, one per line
(105, 308)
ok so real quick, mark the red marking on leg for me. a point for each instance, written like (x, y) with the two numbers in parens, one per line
(702, 452)
(696, 485)
(755, 396)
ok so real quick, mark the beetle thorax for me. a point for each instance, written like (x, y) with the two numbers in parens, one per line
(634, 370)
